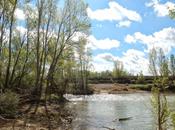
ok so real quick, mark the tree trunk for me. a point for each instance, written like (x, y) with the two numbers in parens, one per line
(10, 47)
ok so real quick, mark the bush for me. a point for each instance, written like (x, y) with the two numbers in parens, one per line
(173, 119)
(8, 104)
(146, 87)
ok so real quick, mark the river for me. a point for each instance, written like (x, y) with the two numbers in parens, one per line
(102, 111)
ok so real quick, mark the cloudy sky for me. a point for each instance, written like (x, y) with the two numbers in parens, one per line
(127, 29)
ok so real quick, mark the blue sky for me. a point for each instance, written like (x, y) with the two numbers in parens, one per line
(126, 30)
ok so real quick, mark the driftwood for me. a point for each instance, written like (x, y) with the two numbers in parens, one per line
(122, 119)
(108, 128)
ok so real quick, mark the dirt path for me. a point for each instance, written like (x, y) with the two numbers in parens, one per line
(113, 89)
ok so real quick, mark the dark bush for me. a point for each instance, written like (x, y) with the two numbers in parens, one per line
(8, 104)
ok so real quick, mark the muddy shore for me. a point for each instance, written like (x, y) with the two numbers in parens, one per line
(56, 118)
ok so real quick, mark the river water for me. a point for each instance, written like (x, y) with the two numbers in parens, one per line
(102, 111)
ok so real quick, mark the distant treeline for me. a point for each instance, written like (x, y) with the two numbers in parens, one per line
(126, 80)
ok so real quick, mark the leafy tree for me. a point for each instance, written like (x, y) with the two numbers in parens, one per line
(172, 65)
(140, 78)
(153, 62)
(159, 69)
(118, 70)
(160, 108)
(83, 64)
(172, 62)
(172, 12)
(38, 57)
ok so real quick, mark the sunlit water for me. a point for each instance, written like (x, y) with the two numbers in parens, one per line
(103, 110)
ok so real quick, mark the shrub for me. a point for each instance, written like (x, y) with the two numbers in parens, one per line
(173, 119)
(8, 104)
(160, 108)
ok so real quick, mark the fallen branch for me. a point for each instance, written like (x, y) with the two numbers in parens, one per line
(5, 119)
(108, 128)
(124, 119)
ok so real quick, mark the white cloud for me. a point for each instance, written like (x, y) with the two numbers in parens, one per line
(105, 57)
(134, 61)
(21, 29)
(126, 23)
(93, 43)
(163, 39)
(160, 9)
(115, 12)
(78, 35)
(19, 14)
(102, 62)
(130, 39)
(104, 44)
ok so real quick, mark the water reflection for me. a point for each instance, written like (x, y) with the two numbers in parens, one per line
(98, 111)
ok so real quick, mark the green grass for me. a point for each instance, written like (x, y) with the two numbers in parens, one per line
(146, 87)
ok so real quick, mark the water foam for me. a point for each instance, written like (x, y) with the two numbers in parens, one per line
(107, 97)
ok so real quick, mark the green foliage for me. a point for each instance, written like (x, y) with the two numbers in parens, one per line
(118, 70)
(173, 119)
(145, 87)
(161, 83)
(172, 13)
(8, 104)
(140, 78)
(153, 62)
(160, 108)
(159, 68)
(172, 65)
(42, 53)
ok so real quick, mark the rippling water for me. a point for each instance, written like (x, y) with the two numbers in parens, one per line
(97, 111)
